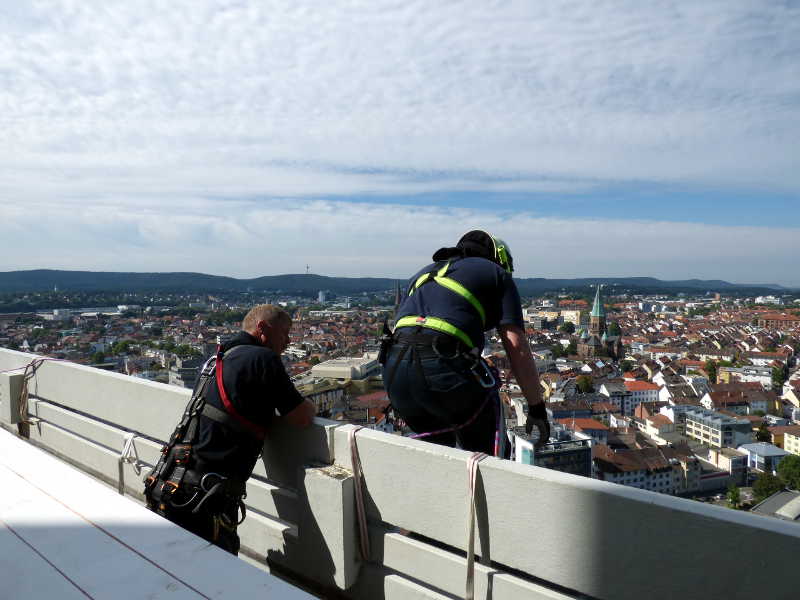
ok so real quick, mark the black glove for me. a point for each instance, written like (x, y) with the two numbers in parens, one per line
(537, 417)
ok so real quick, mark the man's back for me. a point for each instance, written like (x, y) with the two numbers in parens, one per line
(256, 384)
(491, 285)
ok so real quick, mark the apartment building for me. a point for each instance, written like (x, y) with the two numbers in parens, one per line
(640, 391)
(715, 429)
(791, 442)
(647, 469)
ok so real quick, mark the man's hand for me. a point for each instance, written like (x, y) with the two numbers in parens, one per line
(537, 417)
(301, 415)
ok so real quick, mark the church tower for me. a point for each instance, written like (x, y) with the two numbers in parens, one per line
(597, 318)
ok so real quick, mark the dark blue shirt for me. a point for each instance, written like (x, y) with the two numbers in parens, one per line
(490, 283)
(256, 384)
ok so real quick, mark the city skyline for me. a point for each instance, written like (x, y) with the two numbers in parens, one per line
(605, 140)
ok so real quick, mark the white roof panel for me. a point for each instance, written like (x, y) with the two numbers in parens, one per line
(70, 536)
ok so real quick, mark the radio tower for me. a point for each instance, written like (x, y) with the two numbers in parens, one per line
(307, 269)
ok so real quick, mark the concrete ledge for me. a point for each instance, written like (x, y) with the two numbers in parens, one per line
(560, 528)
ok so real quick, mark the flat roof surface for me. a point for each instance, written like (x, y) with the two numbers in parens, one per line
(65, 535)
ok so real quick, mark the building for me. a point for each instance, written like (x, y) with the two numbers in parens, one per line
(749, 373)
(715, 429)
(343, 369)
(791, 442)
(781, 505)
(185, 371)
(324, 393)
(596, 430)
(617, 393)
(778, 434)
(567, 451)
(730, 460)
(647, 469)
(640, 391)
(762, 456)
(778, 321)
(596, 341)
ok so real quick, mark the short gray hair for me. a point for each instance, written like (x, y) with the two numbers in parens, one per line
(264, 312)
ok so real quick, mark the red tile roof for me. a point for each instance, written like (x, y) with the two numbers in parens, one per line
(583, 424)
(640, 386)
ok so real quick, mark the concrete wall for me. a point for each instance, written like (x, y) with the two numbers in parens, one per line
(540, 533)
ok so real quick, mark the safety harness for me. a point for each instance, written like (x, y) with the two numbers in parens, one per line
(176, 481)
(485, 375)
(436, 323)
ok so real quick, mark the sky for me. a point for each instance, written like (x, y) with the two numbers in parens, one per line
(255, 138)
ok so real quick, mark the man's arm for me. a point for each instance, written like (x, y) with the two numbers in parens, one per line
(301, 415)
(524, 368)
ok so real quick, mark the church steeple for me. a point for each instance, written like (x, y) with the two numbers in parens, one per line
(597, 318)
(597, 308)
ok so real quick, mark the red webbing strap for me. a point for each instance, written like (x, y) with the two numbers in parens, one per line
(257, 430)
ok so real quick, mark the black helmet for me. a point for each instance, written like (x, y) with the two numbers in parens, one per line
(479, 243)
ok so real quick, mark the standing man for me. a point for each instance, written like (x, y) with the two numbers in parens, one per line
(432, 369)
(199, 483)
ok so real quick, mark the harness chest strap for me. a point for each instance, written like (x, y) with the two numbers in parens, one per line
(256, 430)
(435, 322)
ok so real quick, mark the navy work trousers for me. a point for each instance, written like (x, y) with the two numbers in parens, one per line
(431, 392)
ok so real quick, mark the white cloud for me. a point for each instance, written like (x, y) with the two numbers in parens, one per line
(120, 121)
(194, 93)
(249, 239)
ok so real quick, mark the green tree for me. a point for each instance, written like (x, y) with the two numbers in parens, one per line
(573, 347)
(626, 365)
(734, 497)
(186, 351)
(122, 347)
(567, 327)
(763, 434)
(711, 370)
(584, 383)
(778, 376)
(789, 471)
(614, 329)
(766, 485)
(98, 358)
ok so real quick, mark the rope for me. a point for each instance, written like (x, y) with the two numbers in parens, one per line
(470, 421)
(28, 374)
(128, 455)
(472, 470)
(358, 477)
(40, 359)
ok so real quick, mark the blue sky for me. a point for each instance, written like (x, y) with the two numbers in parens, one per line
(598, 138)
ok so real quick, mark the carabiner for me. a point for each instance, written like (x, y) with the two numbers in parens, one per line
(486, 378)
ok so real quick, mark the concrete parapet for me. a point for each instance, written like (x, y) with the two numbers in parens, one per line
(540, 533)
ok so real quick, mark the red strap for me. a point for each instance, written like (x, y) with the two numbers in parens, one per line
(257, 430)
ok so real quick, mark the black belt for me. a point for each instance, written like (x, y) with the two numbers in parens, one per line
(430, 345)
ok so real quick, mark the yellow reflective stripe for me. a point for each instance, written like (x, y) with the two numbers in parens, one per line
(454, 286)
(437, 324)
(420, 280)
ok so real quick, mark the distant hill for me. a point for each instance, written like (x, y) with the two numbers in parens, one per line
(89, 281)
